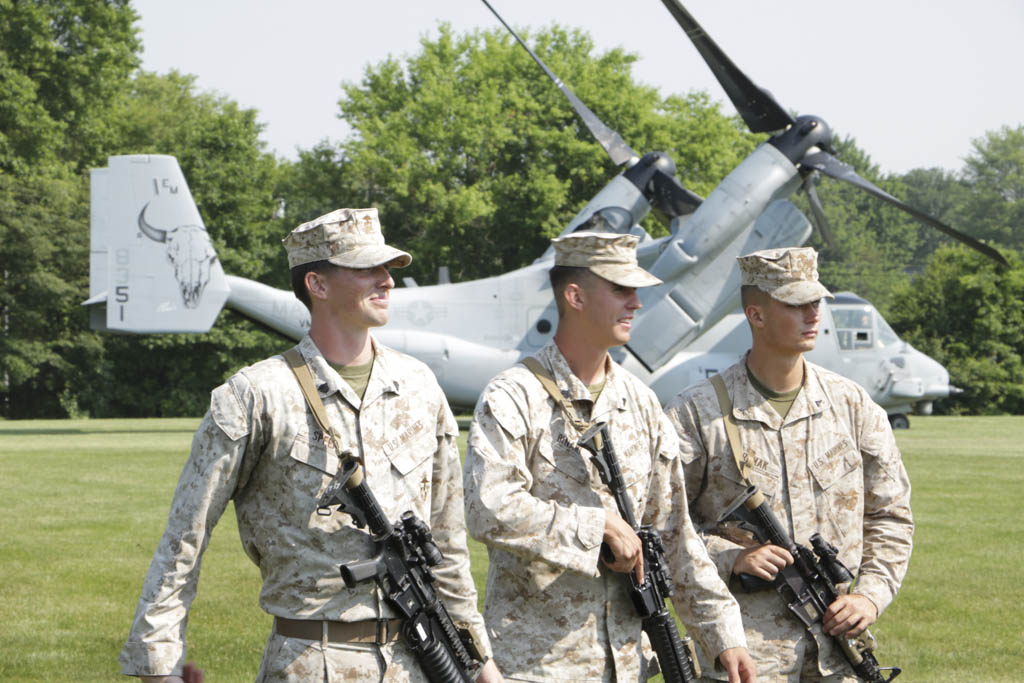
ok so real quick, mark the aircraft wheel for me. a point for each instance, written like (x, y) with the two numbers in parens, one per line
(899, 421)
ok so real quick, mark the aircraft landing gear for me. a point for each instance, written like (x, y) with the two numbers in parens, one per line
(899, 421)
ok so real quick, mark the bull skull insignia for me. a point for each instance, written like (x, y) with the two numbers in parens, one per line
(189, 252)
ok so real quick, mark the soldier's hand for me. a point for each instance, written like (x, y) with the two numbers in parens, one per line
(763, 561)
(849, 615)
(193, 674)
(625, 546)
(740, 665)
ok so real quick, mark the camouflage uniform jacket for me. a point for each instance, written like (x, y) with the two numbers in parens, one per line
(553, 611)
(260, 446)
(832, 467)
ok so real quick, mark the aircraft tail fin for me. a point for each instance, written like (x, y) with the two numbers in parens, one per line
(152, 266)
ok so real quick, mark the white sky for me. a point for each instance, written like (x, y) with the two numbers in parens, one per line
(914, 81)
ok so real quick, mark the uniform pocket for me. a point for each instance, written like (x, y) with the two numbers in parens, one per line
(834, 465)
(558, 456)
(311, 448)
(410, 448)
(306, 473)
(839, 474)
(763, 474)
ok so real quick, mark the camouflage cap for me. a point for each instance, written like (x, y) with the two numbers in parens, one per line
(346, 237)
(608, 255)
(786, 275)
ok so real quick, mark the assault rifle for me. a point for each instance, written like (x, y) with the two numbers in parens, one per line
(808, 586)
(402, 570)
(676, 656)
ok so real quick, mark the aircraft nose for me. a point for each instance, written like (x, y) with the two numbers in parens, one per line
(933, 376)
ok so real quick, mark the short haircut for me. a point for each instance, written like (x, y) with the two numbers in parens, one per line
(561, 277)
(299, 279)
(752, 294)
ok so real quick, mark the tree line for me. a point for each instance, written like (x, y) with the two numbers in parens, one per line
(474, 160)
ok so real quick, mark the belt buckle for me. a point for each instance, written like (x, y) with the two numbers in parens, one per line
(382, 631)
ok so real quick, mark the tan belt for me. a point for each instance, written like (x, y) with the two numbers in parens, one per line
(379, 631)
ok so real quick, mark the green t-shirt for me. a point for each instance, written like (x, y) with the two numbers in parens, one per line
(357, 376)
(781, 402)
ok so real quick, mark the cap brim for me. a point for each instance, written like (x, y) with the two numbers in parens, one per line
(800, 293)
(625, 275)
(372, 256)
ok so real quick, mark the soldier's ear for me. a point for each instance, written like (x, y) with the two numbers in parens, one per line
(755, 315)
(574, 296)
(316, 285)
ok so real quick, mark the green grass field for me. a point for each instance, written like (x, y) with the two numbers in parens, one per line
(84, 503)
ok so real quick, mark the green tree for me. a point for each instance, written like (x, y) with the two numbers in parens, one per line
(61, 64)
(938, 193)
(475, 158)
(993, 209)
(46, 349)
(966, 312)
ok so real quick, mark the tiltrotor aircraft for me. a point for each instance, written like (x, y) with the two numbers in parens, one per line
(153, 267)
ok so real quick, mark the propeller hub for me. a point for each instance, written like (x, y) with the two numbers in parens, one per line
(655, 176)
(642, 172)
(657, 161)
(805, 133)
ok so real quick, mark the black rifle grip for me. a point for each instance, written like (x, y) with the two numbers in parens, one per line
(360, 491)
(753, 584)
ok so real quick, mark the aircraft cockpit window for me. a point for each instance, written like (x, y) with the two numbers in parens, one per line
(854, 328)
(886, 335)
(856, 319)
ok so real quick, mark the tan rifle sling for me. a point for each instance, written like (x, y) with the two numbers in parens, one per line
(548, 382)
(298, 365)
(731, 430)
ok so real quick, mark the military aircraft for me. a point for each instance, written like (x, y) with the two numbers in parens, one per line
(153, 267)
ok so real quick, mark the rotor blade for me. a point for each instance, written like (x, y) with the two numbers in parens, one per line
(612, 142)
(820, 222)
(834, 168)
(756, 106)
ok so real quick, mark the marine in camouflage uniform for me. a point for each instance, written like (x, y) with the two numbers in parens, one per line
(830, 466)
(553, 609)
(260, 446)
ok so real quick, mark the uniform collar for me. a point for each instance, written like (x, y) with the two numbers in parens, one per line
(749, 404)
(328, 381)
(572, 387)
